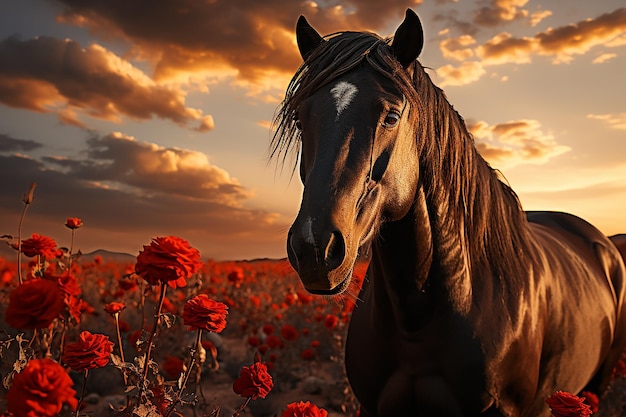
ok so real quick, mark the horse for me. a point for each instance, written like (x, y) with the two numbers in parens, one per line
(471, 306)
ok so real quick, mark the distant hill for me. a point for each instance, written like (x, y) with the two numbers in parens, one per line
(117, 257)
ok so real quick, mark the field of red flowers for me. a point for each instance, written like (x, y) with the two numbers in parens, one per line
(171, 334)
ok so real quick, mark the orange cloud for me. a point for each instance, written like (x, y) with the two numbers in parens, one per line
(515, 142)
(254, 43)
(466, 73)
(457, 48)
(50, 75)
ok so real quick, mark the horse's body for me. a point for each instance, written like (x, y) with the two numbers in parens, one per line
(472, 307)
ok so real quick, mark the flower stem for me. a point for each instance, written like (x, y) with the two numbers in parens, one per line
(69, 267)
(82, 393)
(119, 343)
(241, 407)
(189, 370)
(155, 327)
(19, 245)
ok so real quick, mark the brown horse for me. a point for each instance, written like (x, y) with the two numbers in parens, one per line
(472, 306)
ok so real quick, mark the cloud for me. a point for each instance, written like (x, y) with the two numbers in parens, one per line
(457, 48)
(562, 43)
(128, 191)
(466, 73)
(501, 11)
(616, 121)
(515, 142)
(252, 41)
(46, 74)
(9, 144)
(123, 162)
(601, 59)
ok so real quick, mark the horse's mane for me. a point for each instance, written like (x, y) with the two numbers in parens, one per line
(450, 167)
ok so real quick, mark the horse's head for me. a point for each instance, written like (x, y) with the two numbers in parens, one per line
(353, 110)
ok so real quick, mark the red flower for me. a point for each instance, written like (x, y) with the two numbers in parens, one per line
(169, 260)
(254, 341)
(73, 223)
(89, 352)
(34, 304)
(303, 409)
(307, 354)
(591, 400)
(236, 276)
(173, 366)
(289, 332)
(273, 341)
(201, 312)
(254, 381)
(40, 390)
(331, 321)
(40, 245)
(68, 284)
(114, 308)
(268, 329)
(564, 404)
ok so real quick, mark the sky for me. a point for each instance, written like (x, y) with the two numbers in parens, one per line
(152, 118)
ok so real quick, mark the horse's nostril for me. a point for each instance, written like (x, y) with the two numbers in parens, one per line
(335, 251)
(293, 251)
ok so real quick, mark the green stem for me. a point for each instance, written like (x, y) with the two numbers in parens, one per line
(119, 343)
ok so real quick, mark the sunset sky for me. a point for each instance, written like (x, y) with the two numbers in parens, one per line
(151, 118)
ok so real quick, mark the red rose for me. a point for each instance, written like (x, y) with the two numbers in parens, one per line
(201, 312)
(89, 352)
(591, 400)
(289, 332)
(40, 390)
(564, 404)
(40, 245)
(73, 223)
(34, 304)
(169, 260)
(303, 409)
(253, 381)
(113, 308)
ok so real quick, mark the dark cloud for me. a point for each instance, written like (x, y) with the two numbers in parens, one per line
(202, 204)
(500, 11)
(48, 74)
(9, 144)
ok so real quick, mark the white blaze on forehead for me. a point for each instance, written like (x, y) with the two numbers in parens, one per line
(307, 231)
(343, 93)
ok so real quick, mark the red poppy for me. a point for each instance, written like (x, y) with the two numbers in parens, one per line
(303, 409)
(34, 304)
(114, 308)
(201, 312)
(564, 404)
(591, 400)
(315, 343)
(73, 222)
(169, 260)
(40, 390)
(67, 283)
(256, 300)
(89, 352)
(160, 398)
(40, 245)
(254, 381)
(289, 332)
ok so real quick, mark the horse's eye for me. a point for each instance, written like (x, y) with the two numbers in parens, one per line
(298, 125)
(392, 119)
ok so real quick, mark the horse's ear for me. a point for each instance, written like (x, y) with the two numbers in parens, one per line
(308, 39)
(409, 39)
